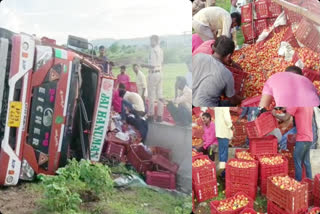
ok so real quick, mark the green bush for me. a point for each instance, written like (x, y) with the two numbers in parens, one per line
(63, 193)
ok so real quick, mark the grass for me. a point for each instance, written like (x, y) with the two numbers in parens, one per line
(170, 72)
(260, 204)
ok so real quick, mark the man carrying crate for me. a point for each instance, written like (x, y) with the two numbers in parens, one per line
(303, 120)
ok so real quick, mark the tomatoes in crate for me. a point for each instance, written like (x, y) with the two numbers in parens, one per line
(286, 183)
(241, 164)
(200, 162)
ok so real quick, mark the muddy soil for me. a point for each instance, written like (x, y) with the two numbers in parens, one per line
(17, 200)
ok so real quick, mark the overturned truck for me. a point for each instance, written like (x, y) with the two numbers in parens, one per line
(54, 105)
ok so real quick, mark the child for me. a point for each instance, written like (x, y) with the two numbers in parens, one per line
(123, 77)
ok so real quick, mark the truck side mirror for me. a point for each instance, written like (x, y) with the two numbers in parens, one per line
(78, 42)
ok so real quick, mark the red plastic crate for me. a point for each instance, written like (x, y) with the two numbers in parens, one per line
(290, 201)
(262, 10)
(268, 170)
(271, 21)
(309, 182)
(274, 9)
(262, 126)
(132, 87)
(291, 142)
(161, 179)
(311, 74)
(260, 25)
(157, 150)
(314, 210)
(246, 13)
(238, 141)
(197, 132)
(248, 211)
(239, 77)
(308, 35)
(241, 150)
(115, 151)
(316, 201)
(164, 164)
(316, 187)
(242, 175)
(233, 188)
(203, 174)
(205, 191)
(248, 31)
(273, 208)
(290, 38)
(111, 137)
(215, 204)
(265, 145)
(293, 17)
(239, 129)
(140, 159)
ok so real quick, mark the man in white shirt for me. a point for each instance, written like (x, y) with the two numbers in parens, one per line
(211, 22)
(155, 79)
(224, 133)
(141, 82)
(133, 110)
(181, 107)
(131, 103)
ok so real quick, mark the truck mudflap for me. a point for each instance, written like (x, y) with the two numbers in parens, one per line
(23, 48)
(101, 115)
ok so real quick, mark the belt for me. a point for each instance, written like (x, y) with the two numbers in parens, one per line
(154, 71)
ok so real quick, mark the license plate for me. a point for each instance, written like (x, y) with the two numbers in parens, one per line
(14, 114)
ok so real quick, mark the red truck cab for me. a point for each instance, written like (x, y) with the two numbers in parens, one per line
(57, 103)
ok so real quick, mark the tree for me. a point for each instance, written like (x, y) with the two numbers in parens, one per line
(114, 47)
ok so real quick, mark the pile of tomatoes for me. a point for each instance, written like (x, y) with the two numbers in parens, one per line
(261, 60)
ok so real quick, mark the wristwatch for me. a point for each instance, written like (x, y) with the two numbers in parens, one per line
(262, 109)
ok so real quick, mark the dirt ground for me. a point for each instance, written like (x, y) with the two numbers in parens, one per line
(17, 200)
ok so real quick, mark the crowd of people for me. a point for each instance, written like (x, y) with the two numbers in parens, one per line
(217, 135)
(138, 108)
(212, 48)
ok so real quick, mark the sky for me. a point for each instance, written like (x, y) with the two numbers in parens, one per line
(95, 19)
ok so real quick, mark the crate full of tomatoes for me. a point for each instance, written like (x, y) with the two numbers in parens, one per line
(287, 193)
(241, 175)
(203, 169)
(204, 182)
(231, 205)
(270, 165)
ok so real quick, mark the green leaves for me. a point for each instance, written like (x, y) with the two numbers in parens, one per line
(63, 192)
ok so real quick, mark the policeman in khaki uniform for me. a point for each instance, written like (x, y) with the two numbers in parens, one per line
(155, 79)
